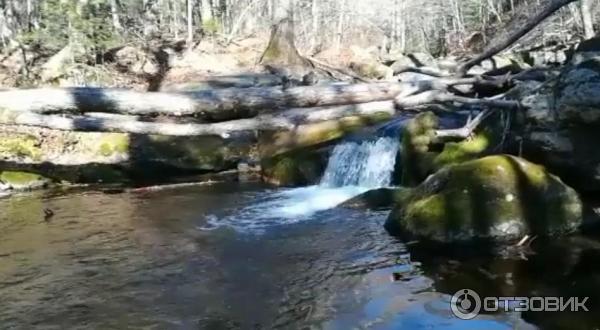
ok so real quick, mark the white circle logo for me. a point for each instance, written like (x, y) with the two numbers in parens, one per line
(465, 304)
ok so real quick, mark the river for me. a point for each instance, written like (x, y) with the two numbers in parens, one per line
(238, 255)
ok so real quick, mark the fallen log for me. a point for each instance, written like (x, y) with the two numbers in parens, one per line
(511, 37)
(465, 131)
(233, 81)
(214, 105)
(436, 96)
(287, 120)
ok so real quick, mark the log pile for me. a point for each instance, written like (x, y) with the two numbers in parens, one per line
(227, 111)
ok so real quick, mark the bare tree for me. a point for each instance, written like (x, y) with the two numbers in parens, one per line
(586, 16)
(114, 9)
(190, 23)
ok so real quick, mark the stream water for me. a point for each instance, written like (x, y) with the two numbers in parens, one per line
(246, 256)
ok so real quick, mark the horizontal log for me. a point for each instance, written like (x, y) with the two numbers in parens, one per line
(232, 81)
(287, 120)
(216, 105)
(436, 97)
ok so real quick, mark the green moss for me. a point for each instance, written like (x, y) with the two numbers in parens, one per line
(275, 143)
(273, 51)
(496, 196)
(113, 143)
(299, 167)
(20, 145)
(194, 153)
(20, 180)
(416, 159)
(420, 156)
(457, 152)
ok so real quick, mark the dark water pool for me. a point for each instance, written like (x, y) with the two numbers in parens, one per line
(160, 260)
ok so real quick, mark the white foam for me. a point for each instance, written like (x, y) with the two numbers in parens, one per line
(353, 168)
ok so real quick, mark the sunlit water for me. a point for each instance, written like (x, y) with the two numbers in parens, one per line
(142, 261)
(353, 168)
(245, 256)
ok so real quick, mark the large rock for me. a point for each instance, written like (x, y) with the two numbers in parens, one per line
(16, 180)
(577, 93)
(136, 61)
(90, 157)
(562, 120)
(296, 168)
(372, 70)
(497, 197)
(421, 155)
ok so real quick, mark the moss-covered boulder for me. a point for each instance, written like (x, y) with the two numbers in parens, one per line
(415, 156)
(296, 168)
(497, 197)
(422, 155)
(94, 157)
(17, 180)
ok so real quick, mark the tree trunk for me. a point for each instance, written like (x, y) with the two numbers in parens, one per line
(287, 120)
(314, 9)
(282, 47)
(205, 11)
(513, 36)
(212, 105)
(190, 23)
(586, 17)
(114, 10)
(340, 24)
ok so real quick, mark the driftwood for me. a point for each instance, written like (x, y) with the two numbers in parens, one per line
(465, 131)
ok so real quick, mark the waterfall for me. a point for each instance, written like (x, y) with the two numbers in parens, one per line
(367, 164)
(353, 168)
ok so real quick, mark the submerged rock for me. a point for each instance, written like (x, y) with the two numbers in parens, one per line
(497, 197)
(376, 199)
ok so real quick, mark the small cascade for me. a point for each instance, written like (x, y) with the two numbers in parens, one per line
(367, 164)
(353, 168)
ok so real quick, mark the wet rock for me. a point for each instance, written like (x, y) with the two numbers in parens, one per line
(421, 155)
(376, 199)
(90, 157)
(15, 180)
(296, 168)
(497, 197)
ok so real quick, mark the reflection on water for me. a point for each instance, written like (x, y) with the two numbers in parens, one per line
(144, 261)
